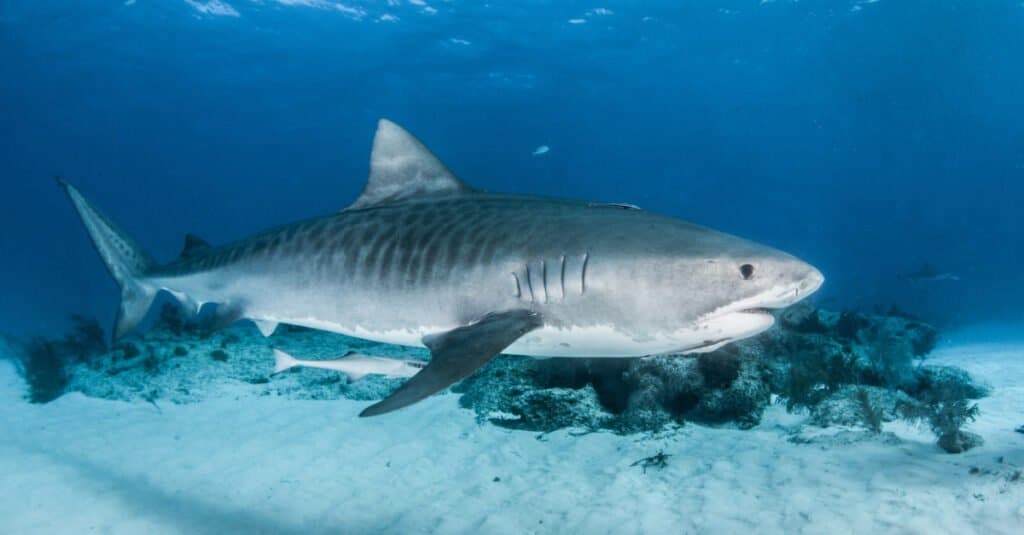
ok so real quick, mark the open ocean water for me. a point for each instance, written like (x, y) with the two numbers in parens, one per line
(881, 141)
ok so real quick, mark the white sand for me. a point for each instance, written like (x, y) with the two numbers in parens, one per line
(242, 464)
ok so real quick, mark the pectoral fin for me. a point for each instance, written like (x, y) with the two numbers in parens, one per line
(458, 353)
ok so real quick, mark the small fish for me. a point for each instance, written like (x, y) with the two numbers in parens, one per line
(541, 150)
(928, 273)
(355, 365)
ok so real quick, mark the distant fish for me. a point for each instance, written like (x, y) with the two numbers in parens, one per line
(355, 365)
(541, 150)
(928, 273)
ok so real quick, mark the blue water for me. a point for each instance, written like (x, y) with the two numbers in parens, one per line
(868, 138)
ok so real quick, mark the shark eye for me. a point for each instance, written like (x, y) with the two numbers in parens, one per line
(747, 271)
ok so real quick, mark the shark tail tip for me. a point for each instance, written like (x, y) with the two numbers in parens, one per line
(126, 261)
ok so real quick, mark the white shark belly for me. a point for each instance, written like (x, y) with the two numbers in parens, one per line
(602, 341)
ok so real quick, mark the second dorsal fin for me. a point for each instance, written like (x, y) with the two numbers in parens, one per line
(193, 245)
(402, 168)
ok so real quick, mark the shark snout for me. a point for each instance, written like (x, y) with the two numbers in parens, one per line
(804, 286)
(811, 282)
(802, 280)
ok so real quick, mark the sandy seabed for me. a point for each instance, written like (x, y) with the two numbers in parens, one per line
(245, 464)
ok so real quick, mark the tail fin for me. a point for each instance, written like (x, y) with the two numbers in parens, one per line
(125, 260)
(283, 361)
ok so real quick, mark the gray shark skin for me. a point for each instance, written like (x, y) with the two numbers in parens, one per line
(422, 259)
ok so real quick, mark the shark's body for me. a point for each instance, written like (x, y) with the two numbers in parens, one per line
(422, 259)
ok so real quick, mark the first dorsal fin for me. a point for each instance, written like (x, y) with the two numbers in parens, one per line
(402, 168)
(193, 244)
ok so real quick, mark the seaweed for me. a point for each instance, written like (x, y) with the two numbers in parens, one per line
(85, 340)
(46, 363)
(45, 370)
(872, 418)
(943, 402)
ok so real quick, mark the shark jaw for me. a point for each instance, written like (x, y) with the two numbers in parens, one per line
(749, 317)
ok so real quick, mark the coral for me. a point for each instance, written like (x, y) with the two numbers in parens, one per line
(846, 368)
(889, 354)
(942, 399)
(659, 390)
(818, 367)
(45, 363)
(850, 324)
(865, 406)
(518, 393)
(555, 408)
(803, 318)
(742, 400)
(85, 339)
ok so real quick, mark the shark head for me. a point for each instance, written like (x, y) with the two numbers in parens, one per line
(748, 286)
(722, 288)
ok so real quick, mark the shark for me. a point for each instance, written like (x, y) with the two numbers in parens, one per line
(929, 273)
(423, 259)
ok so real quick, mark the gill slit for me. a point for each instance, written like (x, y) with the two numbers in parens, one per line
(561, 278)
(583, 274)
(544, 278)
(529, 282)
(519, 290)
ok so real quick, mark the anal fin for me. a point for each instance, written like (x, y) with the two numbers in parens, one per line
(458, 353)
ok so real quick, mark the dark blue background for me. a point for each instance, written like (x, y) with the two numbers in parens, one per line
(866, 138)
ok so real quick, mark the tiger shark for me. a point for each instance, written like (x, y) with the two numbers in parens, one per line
(423, 259)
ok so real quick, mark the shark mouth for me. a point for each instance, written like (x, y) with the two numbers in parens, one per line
(747, 317)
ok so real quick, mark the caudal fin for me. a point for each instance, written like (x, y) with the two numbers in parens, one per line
(125, 260)
(283, 361)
